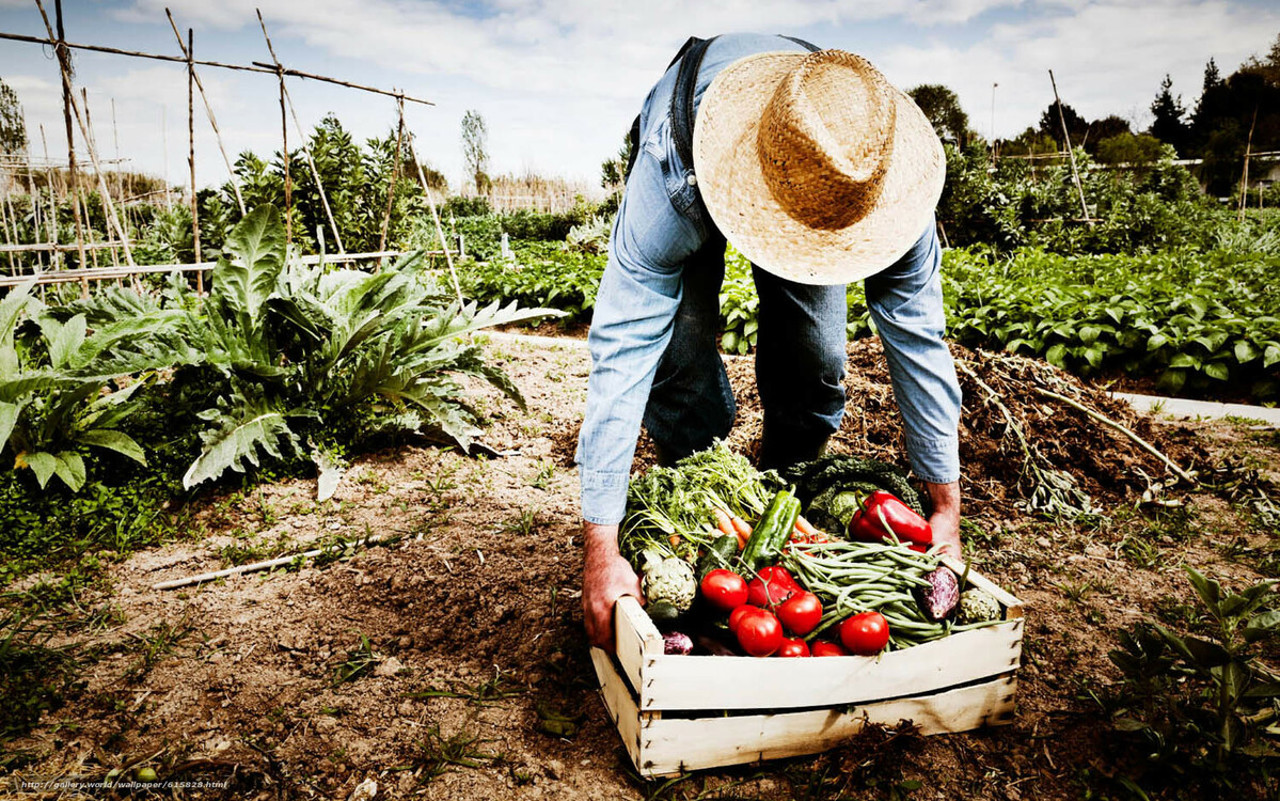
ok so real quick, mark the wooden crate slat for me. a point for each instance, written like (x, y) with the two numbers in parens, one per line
(670, 746)
(619, 703)
(741, 682)
(637, 640)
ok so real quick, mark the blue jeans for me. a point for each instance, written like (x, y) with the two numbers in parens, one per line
(655, 329)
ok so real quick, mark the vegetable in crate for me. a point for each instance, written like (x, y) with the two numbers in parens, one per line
(865, 634)
(677, 643)
(759, 632)
(801, 613)
(668, 584)
(940, 598)
(841, 472)
(978, 606)
(884, 516)
(724, 589)
(770, 535)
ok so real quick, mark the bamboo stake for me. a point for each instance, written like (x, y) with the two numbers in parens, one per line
(435, 216)
(258, 566)
(265, 69)
(53, 208)
(4, 223)
(1142, 443)
(1066, 135)
(64, 65)
(164, 132)
(191, 68)
(36, 208)
(191, 149)
(93, 156)
(88, 124)
(395, 173)
(1244, 178)
(302, 137)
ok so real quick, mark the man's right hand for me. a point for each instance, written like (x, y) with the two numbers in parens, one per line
(606, 576)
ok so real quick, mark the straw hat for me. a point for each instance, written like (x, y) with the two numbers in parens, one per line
(814, 166)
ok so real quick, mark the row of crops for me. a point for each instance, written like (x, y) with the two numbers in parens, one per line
(1193, 322)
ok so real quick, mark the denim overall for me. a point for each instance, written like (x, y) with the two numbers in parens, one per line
(655, 327)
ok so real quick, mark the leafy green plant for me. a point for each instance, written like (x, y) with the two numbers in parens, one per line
(543, 274)
(52, 409)
(281, 353)
(1205, 704)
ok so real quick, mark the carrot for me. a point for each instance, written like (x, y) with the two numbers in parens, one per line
(675, 540)
(805, 527)
(742, 530)
(723, 523)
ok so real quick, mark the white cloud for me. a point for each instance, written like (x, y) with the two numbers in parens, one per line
(1108, 58)
(559, 80)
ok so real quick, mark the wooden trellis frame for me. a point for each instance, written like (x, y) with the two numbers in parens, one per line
(72, 110)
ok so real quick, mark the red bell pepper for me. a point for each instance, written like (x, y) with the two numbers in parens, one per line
(882, 513)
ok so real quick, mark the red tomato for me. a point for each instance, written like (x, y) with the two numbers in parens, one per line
(865, 634)
(824, 648)
(777, 574)
(724, 589)
(736, 615)
(759, 632)
(769, 591)
(793, 647)
(801, 613)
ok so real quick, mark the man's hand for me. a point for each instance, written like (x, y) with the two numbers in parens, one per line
(945, 520)
(605, 577)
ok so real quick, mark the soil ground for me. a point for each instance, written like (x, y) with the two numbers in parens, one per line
(461, 638)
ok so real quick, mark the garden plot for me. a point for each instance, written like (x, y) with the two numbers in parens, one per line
(451, 662)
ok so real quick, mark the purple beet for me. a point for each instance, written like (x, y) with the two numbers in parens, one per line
(676, 643)
(941, 597)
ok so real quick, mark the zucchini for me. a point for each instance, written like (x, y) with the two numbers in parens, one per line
(722, 550)
(770, 535)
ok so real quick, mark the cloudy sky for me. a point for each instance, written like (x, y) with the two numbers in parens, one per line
(558, 81)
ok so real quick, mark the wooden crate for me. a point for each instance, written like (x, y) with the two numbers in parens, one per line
(681, 713)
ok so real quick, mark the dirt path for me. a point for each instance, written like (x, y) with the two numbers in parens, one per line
(463, 637)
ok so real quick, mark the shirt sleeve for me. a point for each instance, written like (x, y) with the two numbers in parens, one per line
(905, 302)
(630, 328)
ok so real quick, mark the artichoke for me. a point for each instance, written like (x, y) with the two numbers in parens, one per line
(668, 582)
(977, 606)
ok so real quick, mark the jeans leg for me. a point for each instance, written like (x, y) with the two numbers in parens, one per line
(691, 403)
(800, 360)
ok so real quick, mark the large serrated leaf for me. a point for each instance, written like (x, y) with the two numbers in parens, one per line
(255, 251)
(235, 443)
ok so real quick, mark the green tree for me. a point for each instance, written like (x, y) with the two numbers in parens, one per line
(13, 130)
(1268, 66)
(1051, 125)
(613, 171)
(475, 142)
(1168, 125)
(942, 108)
(1137, 150)
(1101, 130)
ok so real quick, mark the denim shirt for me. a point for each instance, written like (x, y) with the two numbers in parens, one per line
(661, 221)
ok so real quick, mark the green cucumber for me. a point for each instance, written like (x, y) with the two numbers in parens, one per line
(770, 535)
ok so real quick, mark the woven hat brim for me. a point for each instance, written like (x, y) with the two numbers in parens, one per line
(726, 162)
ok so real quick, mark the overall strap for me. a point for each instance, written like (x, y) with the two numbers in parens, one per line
(813, 48)
(682, 98)
(633, 136)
